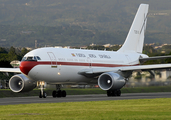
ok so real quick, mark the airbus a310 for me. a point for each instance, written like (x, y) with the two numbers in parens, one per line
(109, 69)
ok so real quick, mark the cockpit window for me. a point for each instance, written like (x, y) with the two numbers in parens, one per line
(31, 58)
(34, 58)
(24, 59)
(38, 58)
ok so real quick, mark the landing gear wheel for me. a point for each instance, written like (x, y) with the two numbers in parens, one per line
(113, 93)
(63, 93)
(54, 94)
(44, 95)
(118, 92)
(109, 93)
(58, 94)
(40, 95)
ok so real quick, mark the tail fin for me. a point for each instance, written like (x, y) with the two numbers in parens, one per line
(135, 38)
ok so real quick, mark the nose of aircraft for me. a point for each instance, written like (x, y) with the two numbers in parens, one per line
(26, 66)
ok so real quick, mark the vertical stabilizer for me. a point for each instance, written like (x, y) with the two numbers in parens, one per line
(135, 38)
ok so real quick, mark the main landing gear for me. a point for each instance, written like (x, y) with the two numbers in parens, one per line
(42, 93)
(58, 92)
(113, 93)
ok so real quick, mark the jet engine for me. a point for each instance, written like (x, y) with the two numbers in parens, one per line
(20, 83)
(111, 81)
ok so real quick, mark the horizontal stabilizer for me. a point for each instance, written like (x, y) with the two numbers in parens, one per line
(142, 60)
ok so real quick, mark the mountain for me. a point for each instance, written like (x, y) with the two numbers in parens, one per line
(101, 18)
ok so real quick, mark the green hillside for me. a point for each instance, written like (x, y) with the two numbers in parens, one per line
(107, 18)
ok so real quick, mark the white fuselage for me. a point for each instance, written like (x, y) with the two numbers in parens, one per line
(59, 65)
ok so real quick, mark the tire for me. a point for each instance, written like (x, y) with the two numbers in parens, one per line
(114, 93)
(63, 93)
(54, 94)
(58, 94)
(40, 95)
(44, 95)
(118, 93)
(109, 93)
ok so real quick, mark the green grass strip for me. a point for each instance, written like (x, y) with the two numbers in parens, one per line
(141, 109)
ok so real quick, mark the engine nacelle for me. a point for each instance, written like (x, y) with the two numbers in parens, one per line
(111, 81)
(20, 83)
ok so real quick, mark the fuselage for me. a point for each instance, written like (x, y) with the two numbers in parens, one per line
(59, 65)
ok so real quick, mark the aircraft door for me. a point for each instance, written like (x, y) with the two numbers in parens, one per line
(129, 59)
(89, 61)
(53, 59)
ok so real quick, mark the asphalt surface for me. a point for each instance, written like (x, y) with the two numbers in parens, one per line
(79, 98)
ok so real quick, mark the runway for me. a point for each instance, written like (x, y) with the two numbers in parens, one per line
(80, 98)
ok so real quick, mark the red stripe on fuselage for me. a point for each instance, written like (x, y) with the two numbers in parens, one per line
(73, 63)
(26, 66)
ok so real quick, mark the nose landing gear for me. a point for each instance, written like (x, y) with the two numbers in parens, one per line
(42, 85)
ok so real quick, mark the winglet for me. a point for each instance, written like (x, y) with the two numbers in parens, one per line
(135, 38)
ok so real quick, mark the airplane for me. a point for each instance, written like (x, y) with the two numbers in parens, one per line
(109, 69)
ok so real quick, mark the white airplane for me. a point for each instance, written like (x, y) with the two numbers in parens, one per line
(109, 69)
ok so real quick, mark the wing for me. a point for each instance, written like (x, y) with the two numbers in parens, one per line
(14, 70)
(98, 71)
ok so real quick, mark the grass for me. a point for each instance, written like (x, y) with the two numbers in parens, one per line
(77, 91)
(141, 109)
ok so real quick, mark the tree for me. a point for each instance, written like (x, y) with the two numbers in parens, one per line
(2, 50)
(23, 52)
(12, 55)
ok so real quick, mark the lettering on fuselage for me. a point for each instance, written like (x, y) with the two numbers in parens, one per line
(90, 55)
(61, 59)
(80, 55)
(104, 56)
